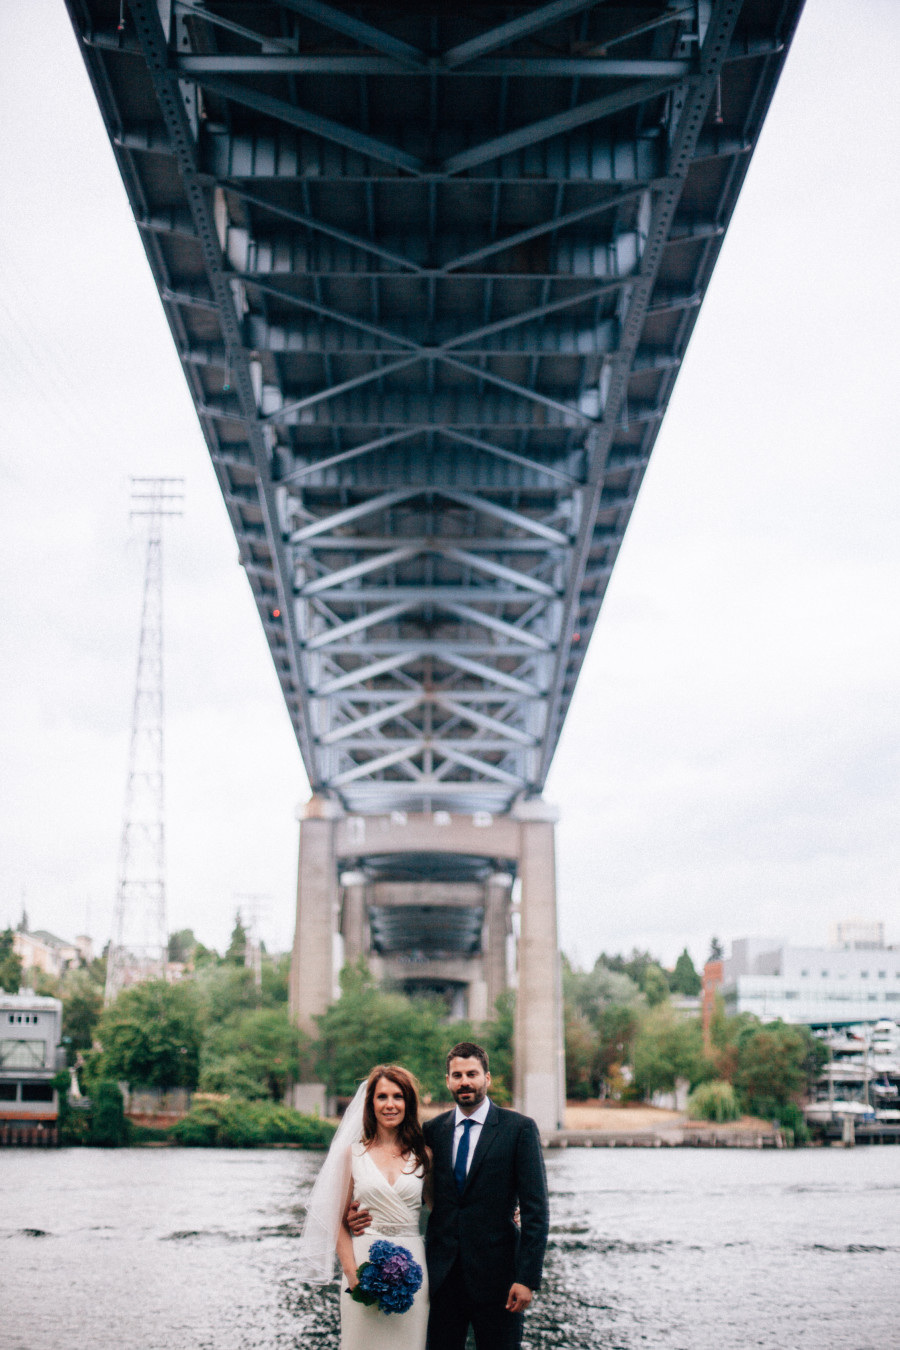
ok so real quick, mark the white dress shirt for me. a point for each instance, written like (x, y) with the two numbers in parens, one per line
(477, 1118)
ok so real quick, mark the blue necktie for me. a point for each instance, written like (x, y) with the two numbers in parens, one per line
(462, 1156)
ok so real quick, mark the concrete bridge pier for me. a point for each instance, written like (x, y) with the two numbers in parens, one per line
(428, 899)
(499, 969)
(539, 1076)
(353, 915)
(311, 985)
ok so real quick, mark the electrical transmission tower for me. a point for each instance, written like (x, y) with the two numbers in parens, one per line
(139, 943)
(248, 912)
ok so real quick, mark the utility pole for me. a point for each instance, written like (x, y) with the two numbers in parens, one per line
(249, 909)
(138, 949)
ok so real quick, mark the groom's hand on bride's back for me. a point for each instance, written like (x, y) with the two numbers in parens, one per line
(519, 1298)
(357, 1219)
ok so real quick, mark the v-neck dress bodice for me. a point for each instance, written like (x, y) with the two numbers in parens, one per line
(394, 1208)
(395, 1211)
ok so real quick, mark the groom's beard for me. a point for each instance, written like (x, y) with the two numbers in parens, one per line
(469, 1098)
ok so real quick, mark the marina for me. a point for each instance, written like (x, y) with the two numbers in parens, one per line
(857, 1094)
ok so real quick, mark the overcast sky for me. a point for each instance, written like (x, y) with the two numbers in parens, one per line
(730, 761)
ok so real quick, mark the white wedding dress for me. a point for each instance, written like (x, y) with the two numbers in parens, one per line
(395, 1214)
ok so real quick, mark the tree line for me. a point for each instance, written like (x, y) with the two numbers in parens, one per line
(626, 1039)
(223, 1031)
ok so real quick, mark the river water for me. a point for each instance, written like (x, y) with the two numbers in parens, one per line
(665, 1249)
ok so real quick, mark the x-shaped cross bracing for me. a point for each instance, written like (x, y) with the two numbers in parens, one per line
(442, 353)
(404, 263)
(429, 506)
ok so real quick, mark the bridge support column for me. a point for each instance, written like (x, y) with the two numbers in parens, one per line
(353, 915)
(539, 1084)
(311, 987)
(497, 924)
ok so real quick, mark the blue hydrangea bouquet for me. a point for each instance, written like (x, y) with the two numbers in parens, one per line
(390, 1277)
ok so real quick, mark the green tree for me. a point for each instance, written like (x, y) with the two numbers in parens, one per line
(368, 1025)
(581, 1042)
(497, 1038)
(588, 992)
(725, 1034)
(276, 972)
(73, 1125)
(151, 1035)
(108, 1126)
(182, 945)
(254, 1054)
(617, 1026)
(96, 968)
(10, 963)
(773, 1066)
(82, 1000)
(601, 1015)
(205, 956)
(716, 950)
(634, 966)
(643, 969)
(667, 1047)
(655, 985)
(236, 952)
(716, 1100)
(223, 990)
(685, 979)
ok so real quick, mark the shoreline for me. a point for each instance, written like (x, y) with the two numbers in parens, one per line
(707, 1136)
(590, 1124)
(597, 1125)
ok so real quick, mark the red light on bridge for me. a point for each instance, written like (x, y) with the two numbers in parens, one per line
(276, 613)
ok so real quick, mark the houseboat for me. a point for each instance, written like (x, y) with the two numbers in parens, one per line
(30, 1057)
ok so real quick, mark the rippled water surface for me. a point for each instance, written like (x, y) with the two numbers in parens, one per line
(166, 1249)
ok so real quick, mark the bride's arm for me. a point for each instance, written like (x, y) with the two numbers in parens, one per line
(345, 1244)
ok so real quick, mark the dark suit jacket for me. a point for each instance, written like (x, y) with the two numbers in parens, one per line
(507, 1169)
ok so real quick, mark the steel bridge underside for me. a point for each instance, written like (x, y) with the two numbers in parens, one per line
(431, 270)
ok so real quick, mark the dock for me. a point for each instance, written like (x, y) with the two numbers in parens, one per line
(686, 1137)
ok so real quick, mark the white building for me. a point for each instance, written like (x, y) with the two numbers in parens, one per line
(862, 934)
(821, 986)
(30, 1055)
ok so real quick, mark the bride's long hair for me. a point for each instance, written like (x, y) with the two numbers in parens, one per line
(409, 1133)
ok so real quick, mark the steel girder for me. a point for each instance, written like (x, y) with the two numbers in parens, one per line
(426, 931)
(431, 274)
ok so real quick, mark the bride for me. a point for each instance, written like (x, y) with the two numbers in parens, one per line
(379, 1158)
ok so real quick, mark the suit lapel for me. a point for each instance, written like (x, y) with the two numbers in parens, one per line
(485, 1141)
(443, 1144)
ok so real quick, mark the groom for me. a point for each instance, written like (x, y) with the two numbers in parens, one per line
(483, 1268)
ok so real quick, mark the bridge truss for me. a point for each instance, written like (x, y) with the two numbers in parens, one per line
(431, 270)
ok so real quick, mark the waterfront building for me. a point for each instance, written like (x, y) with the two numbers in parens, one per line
(30, 1056)
(857, 981)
